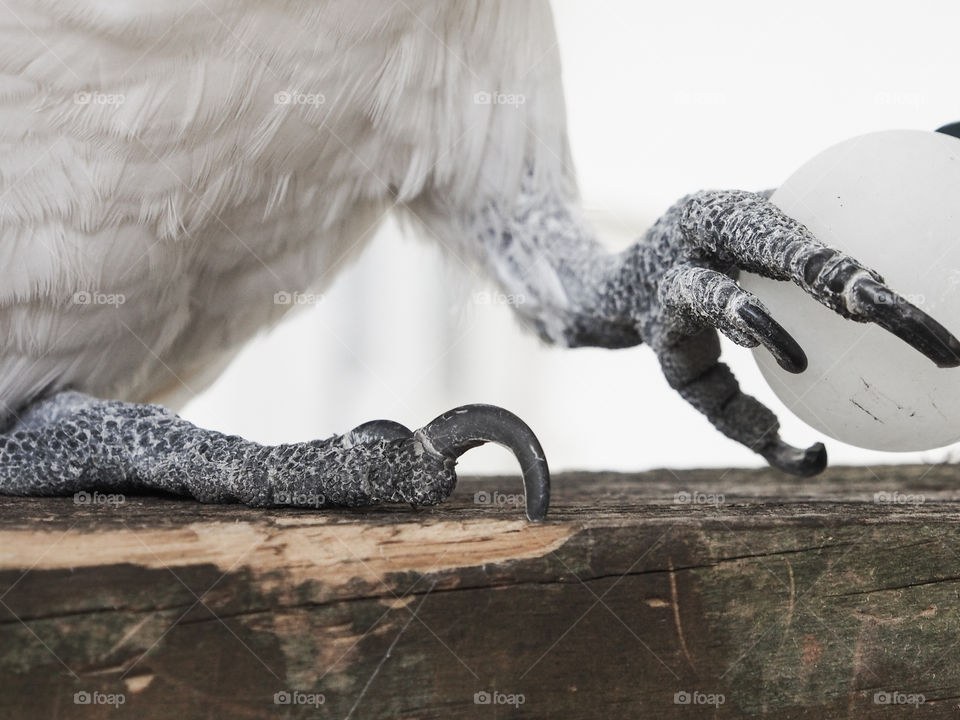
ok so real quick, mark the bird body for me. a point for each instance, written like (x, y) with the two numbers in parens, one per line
(172, 176)
(167, 169)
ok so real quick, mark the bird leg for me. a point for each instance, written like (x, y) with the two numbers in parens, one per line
(70, 443)
(675, 288)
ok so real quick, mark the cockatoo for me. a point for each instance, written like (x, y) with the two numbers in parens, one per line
(169, 169)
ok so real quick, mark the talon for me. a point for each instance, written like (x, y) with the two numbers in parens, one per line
(891, 312)
(796, 461)
(470, 426)
(787, 351)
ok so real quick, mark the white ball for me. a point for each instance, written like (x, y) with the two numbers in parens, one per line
(891, 200)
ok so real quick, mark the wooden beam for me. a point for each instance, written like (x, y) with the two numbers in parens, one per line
(744, 592)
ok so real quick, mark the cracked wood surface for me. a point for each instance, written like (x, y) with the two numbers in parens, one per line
(786, 598)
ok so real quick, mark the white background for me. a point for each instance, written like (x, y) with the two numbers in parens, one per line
(664, 99)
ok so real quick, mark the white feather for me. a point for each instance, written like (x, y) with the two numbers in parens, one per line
(199, 196)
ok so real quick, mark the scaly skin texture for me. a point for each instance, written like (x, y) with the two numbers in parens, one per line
(201, 185)
(72, 443)
(674, 289)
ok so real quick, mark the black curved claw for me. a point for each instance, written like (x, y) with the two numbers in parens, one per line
(470, 426)
(796, 461)
(891, 312)
(787, 351)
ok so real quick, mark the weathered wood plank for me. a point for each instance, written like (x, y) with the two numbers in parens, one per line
(787, 598)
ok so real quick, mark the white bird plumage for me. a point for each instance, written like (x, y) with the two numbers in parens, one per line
(179, 166)
(146, 151)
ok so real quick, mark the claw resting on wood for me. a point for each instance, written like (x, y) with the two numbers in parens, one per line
(470, 426)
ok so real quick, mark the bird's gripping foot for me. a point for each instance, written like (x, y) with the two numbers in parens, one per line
(71, 443)
(678, 285)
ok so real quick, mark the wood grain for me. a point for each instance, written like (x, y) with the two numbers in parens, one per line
(778, 597)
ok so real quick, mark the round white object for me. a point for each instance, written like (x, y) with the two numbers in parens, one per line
(892, 200)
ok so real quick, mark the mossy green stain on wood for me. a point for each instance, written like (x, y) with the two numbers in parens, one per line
(789, 607)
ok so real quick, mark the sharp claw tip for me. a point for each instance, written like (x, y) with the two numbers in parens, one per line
(537, 517)
(794, 365)
(950, 358)
(469, 426)
(816, 454)
(909, 323)
(785, 349)
(795, 461)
